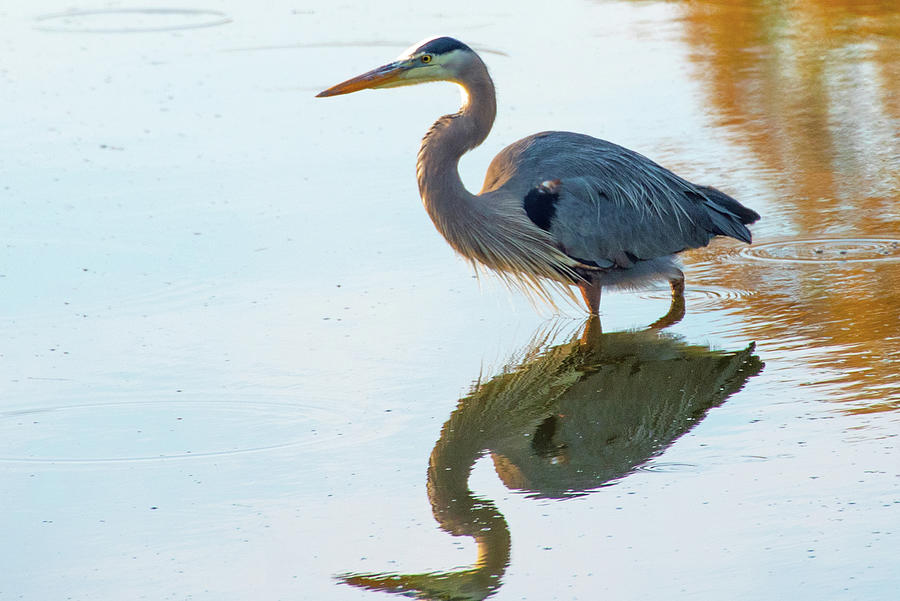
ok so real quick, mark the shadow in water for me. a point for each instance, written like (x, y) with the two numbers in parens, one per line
(560, 422)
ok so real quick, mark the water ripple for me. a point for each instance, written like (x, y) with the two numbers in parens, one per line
(663, 467)
(154, 430)
(130, 20)
(825, 250)
(701, 295)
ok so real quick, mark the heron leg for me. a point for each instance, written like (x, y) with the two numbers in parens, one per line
(676, 309)
(590, 290)
(677, 284)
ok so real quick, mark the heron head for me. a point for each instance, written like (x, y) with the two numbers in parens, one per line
(434, 59)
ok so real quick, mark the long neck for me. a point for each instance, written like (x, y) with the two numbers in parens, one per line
(493, 232)
(443, 193)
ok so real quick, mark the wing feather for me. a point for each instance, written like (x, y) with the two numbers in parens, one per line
(614, 202)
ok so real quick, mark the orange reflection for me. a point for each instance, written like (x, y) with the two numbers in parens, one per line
(810, 88)
(839, 319)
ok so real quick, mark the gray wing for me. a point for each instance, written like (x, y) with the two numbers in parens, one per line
(611, 205)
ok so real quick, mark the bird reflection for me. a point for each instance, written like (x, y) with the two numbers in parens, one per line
(560, 422)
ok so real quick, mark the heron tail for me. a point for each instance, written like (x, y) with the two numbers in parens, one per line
(728, 216)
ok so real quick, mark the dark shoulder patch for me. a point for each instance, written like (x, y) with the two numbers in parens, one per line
(442, 45)
(540, 204)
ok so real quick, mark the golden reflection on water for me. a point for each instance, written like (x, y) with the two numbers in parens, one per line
(559, 423)
(810, 89)
(838, 321)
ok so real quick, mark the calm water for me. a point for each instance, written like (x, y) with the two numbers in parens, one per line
(237, 361)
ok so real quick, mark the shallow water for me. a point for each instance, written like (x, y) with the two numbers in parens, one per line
(239, 363)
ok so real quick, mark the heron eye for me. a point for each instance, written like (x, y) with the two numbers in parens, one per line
(426, 58)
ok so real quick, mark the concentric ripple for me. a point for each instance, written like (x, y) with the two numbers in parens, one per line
(825, 250)
(130, 20)
(700, 295)
(151, 430)
(663, 467)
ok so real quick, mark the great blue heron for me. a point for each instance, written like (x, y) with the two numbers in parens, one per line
(557, 208)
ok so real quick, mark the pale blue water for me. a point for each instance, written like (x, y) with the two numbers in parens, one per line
(231, 336)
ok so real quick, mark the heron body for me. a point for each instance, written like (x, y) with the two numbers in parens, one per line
(557, 209)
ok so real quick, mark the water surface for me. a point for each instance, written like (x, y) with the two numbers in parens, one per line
(239, 363)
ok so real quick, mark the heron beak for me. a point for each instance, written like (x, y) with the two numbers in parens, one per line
(385, 76)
